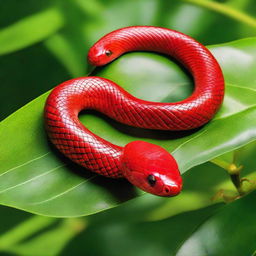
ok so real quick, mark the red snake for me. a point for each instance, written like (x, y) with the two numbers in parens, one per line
(147, 166)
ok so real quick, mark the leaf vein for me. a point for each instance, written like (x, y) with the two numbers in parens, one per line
(64, 192)
(34, 178)
(28, 162)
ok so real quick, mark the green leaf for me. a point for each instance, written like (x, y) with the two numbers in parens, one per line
(229, 232)
(127, 225)
(138, 238)
(24, 230)
(50, 242)
(18, 35)
(64, 51)
(34, 177)
(214, 231)
(27, 234)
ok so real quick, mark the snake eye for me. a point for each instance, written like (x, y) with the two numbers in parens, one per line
(108, 52)
(151, 180)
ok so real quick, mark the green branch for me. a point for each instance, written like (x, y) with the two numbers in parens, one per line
(226, 10)
(233, 171)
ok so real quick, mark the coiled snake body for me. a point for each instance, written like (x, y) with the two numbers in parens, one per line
(145, 165)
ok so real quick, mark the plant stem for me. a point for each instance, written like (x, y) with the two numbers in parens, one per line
(233, 171)
(236, 180)
(226, 10)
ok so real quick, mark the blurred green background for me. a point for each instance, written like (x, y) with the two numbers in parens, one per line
(45, 42)
(56, 36)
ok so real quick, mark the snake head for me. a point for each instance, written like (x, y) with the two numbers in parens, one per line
(106, 49)
(151, 168)
(101, 53)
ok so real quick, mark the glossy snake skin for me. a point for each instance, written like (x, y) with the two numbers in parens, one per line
(147, 166)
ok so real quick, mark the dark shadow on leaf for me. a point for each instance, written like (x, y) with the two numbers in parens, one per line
(120, 189)
(140, 132)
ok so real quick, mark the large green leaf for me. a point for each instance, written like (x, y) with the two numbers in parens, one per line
(34, 177)
(132, 232)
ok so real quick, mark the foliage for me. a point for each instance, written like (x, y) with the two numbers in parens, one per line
(37, 179)
(44, 43)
